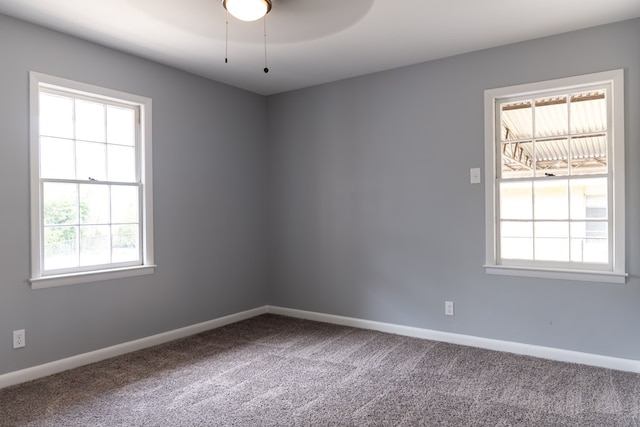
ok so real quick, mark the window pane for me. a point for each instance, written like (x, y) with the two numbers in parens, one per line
(552, 241)
(124, 204)
(589, 198)
(516, 229)
(91, 161)
(57, 158)
(126, 243)
(90, 121)
(516, 200)
(516, 240)
(94, 245)
(56, 116)
(517, 159)
(516, 121)
(552, 157)
(122, 163)
(544, 229)
(94, 204)
(590, 242)
(550, 249)
(60, 203)
(60, 247)
(516, 132)
(121, 126)
(551, 199)
(589, 155)
(516, 248)
(588, 112)
(551, 117)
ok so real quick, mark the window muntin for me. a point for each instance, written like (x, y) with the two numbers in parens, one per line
(91, 183)
(551, 202)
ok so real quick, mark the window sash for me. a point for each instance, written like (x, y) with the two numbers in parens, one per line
(75, 95)
(500, 219)
(98, 266)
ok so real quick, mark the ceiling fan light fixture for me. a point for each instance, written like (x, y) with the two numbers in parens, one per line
(247, 10)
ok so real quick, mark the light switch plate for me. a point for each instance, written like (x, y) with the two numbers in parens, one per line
(474, 175)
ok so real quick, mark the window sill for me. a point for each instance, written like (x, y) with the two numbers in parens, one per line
(549, 273)
(92, 276)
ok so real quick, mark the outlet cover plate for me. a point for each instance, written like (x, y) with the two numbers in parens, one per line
(448, 308)
(18, 339)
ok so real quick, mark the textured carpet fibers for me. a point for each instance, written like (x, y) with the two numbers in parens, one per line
(277, 371)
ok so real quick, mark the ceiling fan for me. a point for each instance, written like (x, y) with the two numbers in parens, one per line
(338, 14)
(247, 10)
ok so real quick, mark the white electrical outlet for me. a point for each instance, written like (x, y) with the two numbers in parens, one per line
(448, 308)
(18, 339)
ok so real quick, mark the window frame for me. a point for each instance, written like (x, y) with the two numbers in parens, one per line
(614, 272)
(38, 277)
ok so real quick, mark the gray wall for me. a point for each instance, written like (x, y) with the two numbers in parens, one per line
(372, 214)
(209, 196)
(370, 210)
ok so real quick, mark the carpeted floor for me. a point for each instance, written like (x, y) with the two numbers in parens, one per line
(277, 371)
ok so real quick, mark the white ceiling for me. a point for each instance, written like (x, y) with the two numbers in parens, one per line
(312, 41)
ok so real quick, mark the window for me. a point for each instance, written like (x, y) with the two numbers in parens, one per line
(91, 206)
(554, 155)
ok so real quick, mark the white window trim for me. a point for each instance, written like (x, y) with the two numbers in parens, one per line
(618, 273)
(37, 280)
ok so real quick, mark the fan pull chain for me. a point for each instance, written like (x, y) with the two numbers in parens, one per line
(226, 37)
(266, 69)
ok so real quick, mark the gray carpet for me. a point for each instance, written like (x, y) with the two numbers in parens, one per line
(276, 371)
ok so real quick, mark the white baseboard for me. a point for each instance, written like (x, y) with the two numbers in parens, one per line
(61, 365)
(57, 366)
(551, 353)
